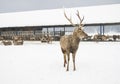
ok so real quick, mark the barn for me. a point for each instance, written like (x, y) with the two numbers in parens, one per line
(103, 20)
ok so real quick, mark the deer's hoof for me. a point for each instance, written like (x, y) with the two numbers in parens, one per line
(67, 70)
(74, 69)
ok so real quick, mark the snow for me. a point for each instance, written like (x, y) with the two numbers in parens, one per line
(93, 15)
(42, 63)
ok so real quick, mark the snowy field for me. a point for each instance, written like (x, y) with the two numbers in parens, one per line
(42, 63)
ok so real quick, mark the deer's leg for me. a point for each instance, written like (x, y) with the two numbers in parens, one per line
(64, 56)
(73, 56)
(68, 62)
(65, 62)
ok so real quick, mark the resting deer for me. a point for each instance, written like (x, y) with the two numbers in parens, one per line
(6, 42)
(18, 40)
(69, 43)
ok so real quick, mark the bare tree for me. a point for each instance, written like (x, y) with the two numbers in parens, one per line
(69, 43)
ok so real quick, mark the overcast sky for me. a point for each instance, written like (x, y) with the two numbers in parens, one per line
(27, 5)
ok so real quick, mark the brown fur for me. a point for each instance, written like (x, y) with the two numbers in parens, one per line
(47, 38)
(17, 40)
(6, 42)
(98, 37)
(69, 44)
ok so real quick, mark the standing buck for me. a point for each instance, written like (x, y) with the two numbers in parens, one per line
(69, 43)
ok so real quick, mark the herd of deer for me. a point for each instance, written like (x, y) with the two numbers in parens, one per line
(17, 40)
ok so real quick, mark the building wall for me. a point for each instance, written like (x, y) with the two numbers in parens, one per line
(57, 31)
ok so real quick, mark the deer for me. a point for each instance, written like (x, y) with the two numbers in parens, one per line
(6, 42)
(17, 40)
(70, 43)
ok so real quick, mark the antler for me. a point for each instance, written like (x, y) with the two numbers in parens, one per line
(81, 20)
(69, 19)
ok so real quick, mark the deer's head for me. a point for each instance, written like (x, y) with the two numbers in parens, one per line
(78, 31)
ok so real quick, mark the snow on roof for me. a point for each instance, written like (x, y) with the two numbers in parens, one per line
(92, 14)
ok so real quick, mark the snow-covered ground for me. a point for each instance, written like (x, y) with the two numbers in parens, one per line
(41, 63)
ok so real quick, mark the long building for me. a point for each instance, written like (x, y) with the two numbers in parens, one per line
(103, 19)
